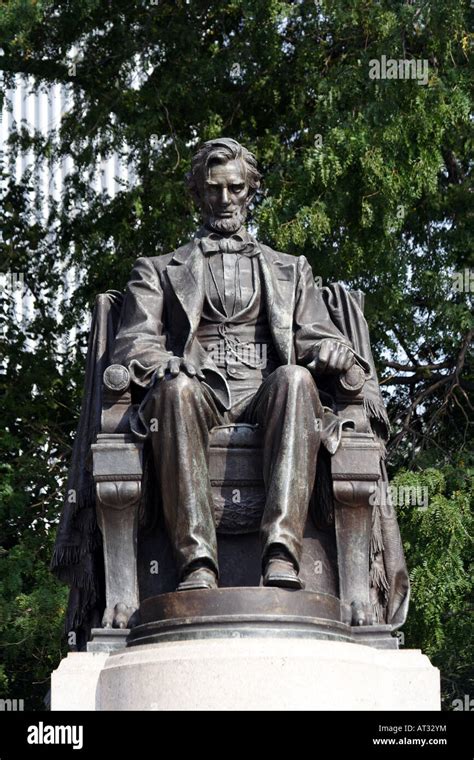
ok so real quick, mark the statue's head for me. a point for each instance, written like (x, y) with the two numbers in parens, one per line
(223, 180)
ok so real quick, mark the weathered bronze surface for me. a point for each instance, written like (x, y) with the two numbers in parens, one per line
(239, 612)
(238, 400)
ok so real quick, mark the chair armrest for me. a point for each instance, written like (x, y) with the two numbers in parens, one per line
(116, 400)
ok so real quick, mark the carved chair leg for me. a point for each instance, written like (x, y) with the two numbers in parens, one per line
(356, 472)
(117, 517)
(117, 467)
(353, 526)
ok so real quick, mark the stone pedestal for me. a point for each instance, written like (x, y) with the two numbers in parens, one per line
(74, 682)
(245, 649)
(248, 674)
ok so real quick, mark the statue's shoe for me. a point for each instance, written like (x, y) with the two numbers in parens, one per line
(202, 577)
(281, 573)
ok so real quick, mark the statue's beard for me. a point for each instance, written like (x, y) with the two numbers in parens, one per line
(226, 225)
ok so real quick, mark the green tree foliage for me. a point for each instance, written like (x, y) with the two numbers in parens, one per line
(371, 179)
(437, 532)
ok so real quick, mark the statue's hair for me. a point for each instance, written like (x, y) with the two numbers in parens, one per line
(220, 151)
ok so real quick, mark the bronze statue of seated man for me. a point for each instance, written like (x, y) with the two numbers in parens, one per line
(222, 330)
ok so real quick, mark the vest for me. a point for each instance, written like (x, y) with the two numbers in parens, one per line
(241, 346)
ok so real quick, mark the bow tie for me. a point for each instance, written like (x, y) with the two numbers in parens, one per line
(233, 244)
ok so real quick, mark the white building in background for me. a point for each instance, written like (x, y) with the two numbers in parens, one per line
(42, 112)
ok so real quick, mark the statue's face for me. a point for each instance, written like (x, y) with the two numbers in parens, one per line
(225, 196)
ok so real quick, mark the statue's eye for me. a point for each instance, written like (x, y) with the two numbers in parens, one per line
(237, 188)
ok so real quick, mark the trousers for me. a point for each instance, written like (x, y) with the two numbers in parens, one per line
(287, 408)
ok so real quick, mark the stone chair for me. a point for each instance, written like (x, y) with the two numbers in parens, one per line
(335, 560)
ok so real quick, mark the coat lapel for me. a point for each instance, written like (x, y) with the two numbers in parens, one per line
(186, 275)
(279, 289)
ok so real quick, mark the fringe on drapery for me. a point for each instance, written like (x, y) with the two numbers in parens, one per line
(78, 556)
(378, 577)
(376, 411)
(86, 534)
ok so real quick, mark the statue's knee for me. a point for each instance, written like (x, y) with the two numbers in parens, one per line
(293, 374)
(299, 383)
(181, 386)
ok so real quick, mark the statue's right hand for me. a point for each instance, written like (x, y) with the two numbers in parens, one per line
(174, 366)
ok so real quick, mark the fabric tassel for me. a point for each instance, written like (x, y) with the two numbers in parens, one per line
(376, 538)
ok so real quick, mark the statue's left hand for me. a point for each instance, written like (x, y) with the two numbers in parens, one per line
(332, 356)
